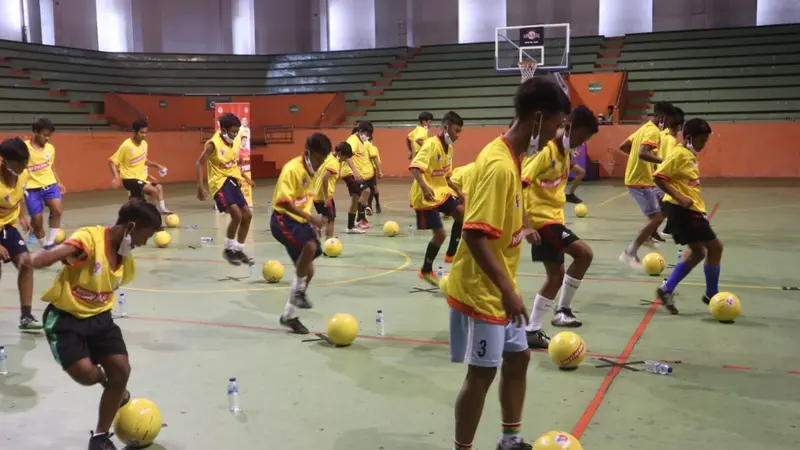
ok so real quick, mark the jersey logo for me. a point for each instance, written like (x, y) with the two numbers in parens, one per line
(141, 157)
(47, 156)
(98, 267)
(517, 238)
(552, 164)
(89, 296)
(439, 157)
(695, 182)
(131, 150)
(227, 165)
(564, 235)
(548, 184)
(38, 167)
(305, 181)
(516, 200)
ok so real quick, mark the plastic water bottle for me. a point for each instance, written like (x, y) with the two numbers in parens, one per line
(269, 205)
(440, 272)
(380, 324)
(205, 241)
(3, 361)
(121, 305)
(233, 396)
(657, 367)
(680, 256)
(410, 230)
(192, 227)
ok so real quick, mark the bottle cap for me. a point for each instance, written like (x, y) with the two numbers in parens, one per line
(2, 347)
(232, 379)
(380, 311)
(669, 370)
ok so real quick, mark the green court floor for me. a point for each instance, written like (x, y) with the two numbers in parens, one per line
(194, 321)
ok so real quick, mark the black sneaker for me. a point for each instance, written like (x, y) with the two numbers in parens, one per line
(572, 198)
(296, 326)
(232, 257)
(667, 299)
(368, 210)
(29, 323)
(378, 209)
(242, 256)
(564, 318)
(515, 446)
(300, 300)
(102, 442)
(706, 299)
(538, 340)
(657, 237)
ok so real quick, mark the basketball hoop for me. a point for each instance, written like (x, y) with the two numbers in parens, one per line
(527, 69)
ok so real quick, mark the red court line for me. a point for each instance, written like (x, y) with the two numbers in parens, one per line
(742, 368)
(594, 405)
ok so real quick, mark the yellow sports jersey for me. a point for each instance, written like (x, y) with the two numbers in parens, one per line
(639, 173)
(86, 286)
(222, 163)
(374, 154)
(295, 185)
(494, 206)
(419, 132)
(462, 176)
(436, 167)
(40, 166)
(331, 167)
(11, 199)
(667, 143)
(544, 179)
(362, 158)
(682, 170)
(130, 159)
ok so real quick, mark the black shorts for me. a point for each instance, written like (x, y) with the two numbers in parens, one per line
(687, 226)
(134, 187)
(431, 219)
(372, 183)
(555, 239)
(328, 212)
(72, 339)
(354, 187)
(12, 240)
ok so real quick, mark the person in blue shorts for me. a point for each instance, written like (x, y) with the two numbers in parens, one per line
(43, 187)
(293, 225)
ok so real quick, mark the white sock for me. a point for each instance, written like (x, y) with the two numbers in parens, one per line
(162, 206)
(541, 308)
(298, 284)
(229, 244)
(51, 236)
(289, 311)
(238, 246)
(568, 289)
(42, 242)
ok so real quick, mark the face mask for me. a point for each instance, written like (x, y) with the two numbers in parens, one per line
(534, 145)
(426, 127)
(661, 125)
(11, 171)
(310, 168)
(447, 138)
(226, 138)
(126, 246)
(690, 146)
(565, 142)
(364, 138)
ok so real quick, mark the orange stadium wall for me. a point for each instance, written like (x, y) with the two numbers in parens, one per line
(175, 112)
(741, 150)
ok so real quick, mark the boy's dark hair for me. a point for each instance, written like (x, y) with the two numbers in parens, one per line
(454, 118)
(344, 149)
(364, 126)
(319, 143)
(355, 130)
(144, 214)
(138, 124)
(14, 149)
(664, 109)
(540, 95)
(42, 124)
(583, 117)
(677, 117)
(696, 127)
(228, 121)
(425, 116)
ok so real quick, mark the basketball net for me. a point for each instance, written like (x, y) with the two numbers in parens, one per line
(527, 69)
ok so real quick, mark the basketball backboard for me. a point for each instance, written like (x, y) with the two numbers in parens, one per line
(547, 44)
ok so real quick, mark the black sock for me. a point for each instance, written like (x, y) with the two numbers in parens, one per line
(371, 198)
(361, 214)
(430, 257)
(25, 311)
(455, 237)
(351, 221)
(378, 200)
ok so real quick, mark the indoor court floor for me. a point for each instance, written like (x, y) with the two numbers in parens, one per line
(194, 321)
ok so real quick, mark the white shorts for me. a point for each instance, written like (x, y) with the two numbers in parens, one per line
(646, 198)
(482, 344)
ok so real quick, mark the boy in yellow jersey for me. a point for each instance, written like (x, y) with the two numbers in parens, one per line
(375, 154)
(641, 147)
(129, 168)
(359, 174)
(418, 135)
(225, 178)
(43, 188)
(293, 225)
(13, 176)
(487, 313)
(325, 185)
(544, 179)
(430, 194)
(83, 337)
(665, 146)
(679, 177)
(458, 183)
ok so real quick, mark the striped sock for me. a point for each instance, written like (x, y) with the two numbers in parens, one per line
(511, 433)
(459, 446)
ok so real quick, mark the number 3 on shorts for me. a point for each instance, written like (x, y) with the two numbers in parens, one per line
(482, 348)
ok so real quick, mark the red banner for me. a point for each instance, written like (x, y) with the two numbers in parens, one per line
(242, 142)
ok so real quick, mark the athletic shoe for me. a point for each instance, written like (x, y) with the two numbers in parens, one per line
(101, 442)
(363, 224)
(657, 237)
(429, 277)
(355, 230)
(368, 210)
(378, 210)
(296, 326)
(667, 299)
(572, 198)
(538, 340)
(232, 257)
(651, 244)
(242, 256)
(448, 259)
(706, 299)
(29, 323)
(565, 319)
(631, 260)
(515, 446)
(300, 300)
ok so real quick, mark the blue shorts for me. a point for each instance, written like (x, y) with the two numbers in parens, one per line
(229, 194)
(646, 198)
(328, 212)
(35, 198)
(431, 219)
(482, 344)
(293, 234)
(12, 240)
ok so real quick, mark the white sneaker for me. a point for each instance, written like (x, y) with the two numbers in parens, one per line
(651, 244)
(631, 260)
(355, 231)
